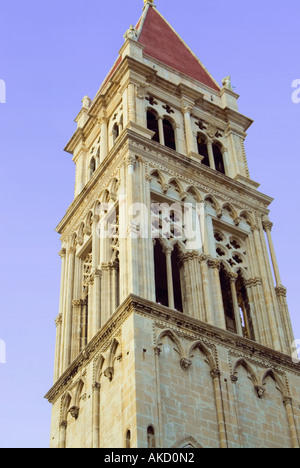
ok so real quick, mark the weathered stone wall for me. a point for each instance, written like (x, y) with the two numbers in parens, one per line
(193, 383)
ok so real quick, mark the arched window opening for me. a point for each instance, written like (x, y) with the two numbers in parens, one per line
(227, 301)
(152, 124)
(92, 166)
(176, 280)
(218, 157)
(169, 134)
(202, 149)
(161, 286)
(115, 132)
(128, 439)
(150, 437)
(243, 302)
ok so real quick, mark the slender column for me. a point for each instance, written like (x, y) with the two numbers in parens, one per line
(190, 140)
(289, 411)
(267, 225)
(267, 292)
(96, 415)
(168, 253)
(59, 329)
(69, 308)
(76, 325)
(219, 316)
(131, 103)
(161, 130)
(233, 278)
(58, 323)
(62, 434)
(215, 374)
(104, 137)
(211, 155)
(206, 289)
(160, 436)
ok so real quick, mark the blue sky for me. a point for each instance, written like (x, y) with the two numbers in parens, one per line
(52, 53)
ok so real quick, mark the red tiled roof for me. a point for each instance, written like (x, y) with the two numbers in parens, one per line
(163, 44)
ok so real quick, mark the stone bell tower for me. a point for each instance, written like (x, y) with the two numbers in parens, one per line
(171, 331)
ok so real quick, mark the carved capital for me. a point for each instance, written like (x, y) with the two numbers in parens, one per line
(78, 303)
(213, 263)
(215, 373)
(203, 258)
(71, 250)
(234, 378)
(232, 277)
(287, 401)
(97, 386)
(62, 253)
(281, 291)
(157, 351)
(63, 424)
(58, 320)
(267, 225)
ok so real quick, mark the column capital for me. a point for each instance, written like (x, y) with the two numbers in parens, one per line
(62, 253)
(215, 373)
(78, 302)
(287, 400)
(71, 250)
(232, 277)
(281, 291)
(267, 225)
(213, 263)
(58, 320)
(96, 386)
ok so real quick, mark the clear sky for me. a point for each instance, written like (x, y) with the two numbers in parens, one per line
(52, 53)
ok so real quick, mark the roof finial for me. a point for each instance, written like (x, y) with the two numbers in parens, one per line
(148, 2)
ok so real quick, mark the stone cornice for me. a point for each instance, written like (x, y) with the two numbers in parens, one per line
(168, 318)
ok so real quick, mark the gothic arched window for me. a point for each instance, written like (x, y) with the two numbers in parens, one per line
(128, 439)
(92, 166)
(115, 132)
(152, 124)
(169, 134)
(150, 437)
(227, 301)
(202, 148)
(218, 158)
(161, 286)
(243, 302)
(176, 280)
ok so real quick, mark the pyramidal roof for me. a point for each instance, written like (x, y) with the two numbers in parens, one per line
(161, 42)
(164, 44)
